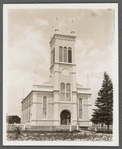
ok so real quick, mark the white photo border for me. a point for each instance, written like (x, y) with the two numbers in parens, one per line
(114, 6)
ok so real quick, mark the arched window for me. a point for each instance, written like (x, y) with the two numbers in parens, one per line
(68, 92)
(80, 108)
(62, 92)
(44, 107)
(60, 54)
(69, 55)
(52, 57)
(65, 54)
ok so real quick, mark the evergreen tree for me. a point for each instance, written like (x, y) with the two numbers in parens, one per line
(104, 103)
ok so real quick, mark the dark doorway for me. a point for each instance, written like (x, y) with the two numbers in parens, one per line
(65, 117)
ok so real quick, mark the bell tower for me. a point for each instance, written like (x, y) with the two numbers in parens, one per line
(62, 53)
(63, 72)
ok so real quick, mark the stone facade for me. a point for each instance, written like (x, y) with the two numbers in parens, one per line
(60, 101)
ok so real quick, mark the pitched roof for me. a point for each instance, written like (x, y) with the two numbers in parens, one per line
(50, 82)
(78, 85)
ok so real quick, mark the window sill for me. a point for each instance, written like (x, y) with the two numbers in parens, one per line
(44, 118)
(65, 101)
(80, 119)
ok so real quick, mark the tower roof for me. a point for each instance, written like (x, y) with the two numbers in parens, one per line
(62, 36)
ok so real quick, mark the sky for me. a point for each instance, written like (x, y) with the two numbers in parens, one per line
(29, 32)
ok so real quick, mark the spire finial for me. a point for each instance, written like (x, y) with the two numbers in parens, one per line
(72, 28)
(56, 28)
(35, 81)
(88, 85)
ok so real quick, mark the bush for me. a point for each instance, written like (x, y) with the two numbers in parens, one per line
(18, 131)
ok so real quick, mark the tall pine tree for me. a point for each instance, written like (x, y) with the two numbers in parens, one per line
(104, 103)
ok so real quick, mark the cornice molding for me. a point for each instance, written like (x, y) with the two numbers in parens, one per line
(62, 37)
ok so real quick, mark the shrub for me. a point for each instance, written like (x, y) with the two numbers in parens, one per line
(85, 135)
(18, 132)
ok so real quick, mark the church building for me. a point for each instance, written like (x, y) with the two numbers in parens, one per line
(61, 100)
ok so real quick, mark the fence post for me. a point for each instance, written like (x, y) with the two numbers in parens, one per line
(77, 127)
(95, 129)
(70, 127)
(24, 127)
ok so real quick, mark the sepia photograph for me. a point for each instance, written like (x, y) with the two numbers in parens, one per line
(60, 74)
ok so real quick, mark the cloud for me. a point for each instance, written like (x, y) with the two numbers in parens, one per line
(89, 43)
(28, 51)
(78, 45)
(91, 60)
(40, 22)
(21, 29)
(17, 82)
(94, 62)
(26, 54)
(82, 49)
(61, 24)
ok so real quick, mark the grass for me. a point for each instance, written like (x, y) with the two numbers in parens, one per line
(58, 136)
(101, 130)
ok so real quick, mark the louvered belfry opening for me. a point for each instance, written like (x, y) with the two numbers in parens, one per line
(65, 117)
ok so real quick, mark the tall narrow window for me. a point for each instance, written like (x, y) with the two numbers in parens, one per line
(69, 55)
(29, 115)
(68, 92)
(53, 56)
(65, 54)
(44, 107)
(60, 54)
(80, 108)
(62, 92)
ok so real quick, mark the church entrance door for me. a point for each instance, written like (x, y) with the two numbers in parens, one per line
(65, 117)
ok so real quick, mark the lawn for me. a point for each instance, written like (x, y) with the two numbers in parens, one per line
(59, 136)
